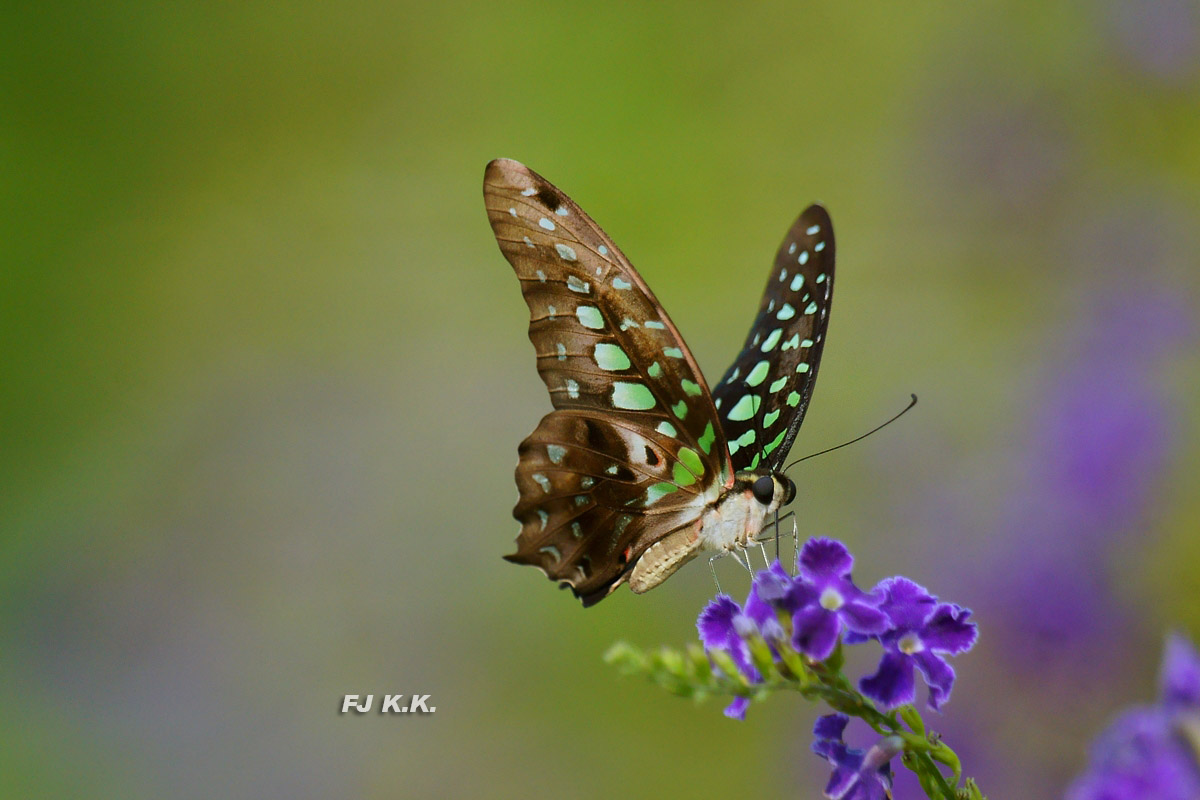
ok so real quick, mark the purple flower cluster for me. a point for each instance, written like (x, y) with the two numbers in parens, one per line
(823, 605)
(1152, 752)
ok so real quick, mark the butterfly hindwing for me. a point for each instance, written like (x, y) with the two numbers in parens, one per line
(633, 451)
(762, 398)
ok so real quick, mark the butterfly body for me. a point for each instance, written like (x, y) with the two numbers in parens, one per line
(641, 467)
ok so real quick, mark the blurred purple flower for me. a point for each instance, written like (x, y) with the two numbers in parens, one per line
(857, 775)
(921, 629)
(1161, 37)
(1100, 436)
(1151, 753)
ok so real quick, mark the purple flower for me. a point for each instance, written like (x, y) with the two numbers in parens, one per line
(1180, 679)
(921, 628)
(857, 775)
(1151, 752)
(830, 600)
(722, 626)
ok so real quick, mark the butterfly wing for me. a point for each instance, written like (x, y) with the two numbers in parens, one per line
(633, 451)
(763, 396)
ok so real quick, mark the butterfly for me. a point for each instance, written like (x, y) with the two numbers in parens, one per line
(641, 466)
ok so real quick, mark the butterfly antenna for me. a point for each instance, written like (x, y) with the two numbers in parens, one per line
(907, 408)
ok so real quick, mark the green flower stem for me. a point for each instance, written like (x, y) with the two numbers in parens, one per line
(699, 674)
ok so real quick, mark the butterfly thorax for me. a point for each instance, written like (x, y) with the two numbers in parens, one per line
(732, 521)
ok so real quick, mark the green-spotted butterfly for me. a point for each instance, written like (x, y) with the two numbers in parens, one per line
(641, 466)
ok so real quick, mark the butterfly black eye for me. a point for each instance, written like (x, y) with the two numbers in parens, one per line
(791, 490)
(764, 489)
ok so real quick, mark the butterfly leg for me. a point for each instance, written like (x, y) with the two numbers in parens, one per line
(763, 549)
(720, 554)
(743, 561)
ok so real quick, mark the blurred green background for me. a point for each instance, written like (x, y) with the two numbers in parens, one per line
(265, 373)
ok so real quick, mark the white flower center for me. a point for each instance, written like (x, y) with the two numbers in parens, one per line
(832, 600)
(910, 644)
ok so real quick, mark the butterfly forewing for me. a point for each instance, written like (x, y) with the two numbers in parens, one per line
(762, 398)
(633, 451)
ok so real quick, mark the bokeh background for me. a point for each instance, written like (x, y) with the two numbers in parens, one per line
(265, 373)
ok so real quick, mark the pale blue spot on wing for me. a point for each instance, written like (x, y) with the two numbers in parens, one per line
(667, 429)
(792, 343)
(541, 481)
(653, 323)
(565, 252)
(572, 388)
(530, 192)
(785, 313)
(821, 278)
(797, 282)
(562, 351)
(610, 357)
(545, 223)
(590, 317)
(603, 250)
(576, 285)
(562, 211)
(803, 259)
(812, 230)
(556, 452)
(811, 308)
(621, 283)
(819, 247)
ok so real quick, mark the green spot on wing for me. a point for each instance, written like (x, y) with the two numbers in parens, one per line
(707, 439)
(745, 440)
(632, 396)
(793, 399)
(611, 357)
(773, 444)
(680, 409)
(655, 370)
(667, 429)
(691, 459)
(690, 388)
(673, 352)
(779, 384)
(680, 474)
(746, 408)
(759, 373)
(772, 340)
(656, 492)
(769, 419)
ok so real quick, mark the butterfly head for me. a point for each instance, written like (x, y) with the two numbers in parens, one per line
(772, 490)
